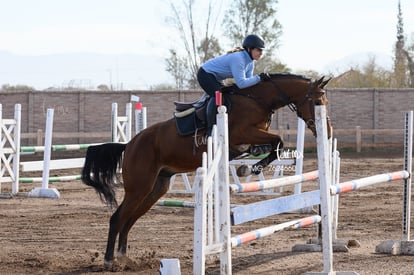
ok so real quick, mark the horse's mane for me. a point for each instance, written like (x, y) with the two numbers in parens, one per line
(289, 76)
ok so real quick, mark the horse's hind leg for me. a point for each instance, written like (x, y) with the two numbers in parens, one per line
(131, 202)
(160, 188)
(113, 232)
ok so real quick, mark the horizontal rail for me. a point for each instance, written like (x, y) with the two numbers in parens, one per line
(55, 164)
(266, 231)
(363, 182)
(176, 203)
(63, 147)
(262, 209)
(51, 179)
(273, 183)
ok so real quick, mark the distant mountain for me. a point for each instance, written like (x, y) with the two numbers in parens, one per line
(86, 70)
(122, 71)
(358, 60)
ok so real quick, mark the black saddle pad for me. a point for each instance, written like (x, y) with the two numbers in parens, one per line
(189, 124)
(195, 121)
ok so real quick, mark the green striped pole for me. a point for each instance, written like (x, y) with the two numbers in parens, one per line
(51, 179)
(65, 147)
(176, 203)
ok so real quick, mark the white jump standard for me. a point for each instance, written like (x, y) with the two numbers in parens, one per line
(212, 235)
(45, 191)
(405, 246)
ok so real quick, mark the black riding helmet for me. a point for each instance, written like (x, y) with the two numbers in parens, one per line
(253, 41)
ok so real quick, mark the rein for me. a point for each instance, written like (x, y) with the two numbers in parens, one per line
(286, 101)
(269, 109)
(295, 107)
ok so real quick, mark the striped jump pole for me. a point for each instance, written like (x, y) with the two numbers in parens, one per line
(277, 182)
(51, 179)
(187, 204)
(266, 231)
(176, 203)
(65, 147)
(363, 182)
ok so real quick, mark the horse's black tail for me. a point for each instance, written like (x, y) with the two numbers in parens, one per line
(100, 168)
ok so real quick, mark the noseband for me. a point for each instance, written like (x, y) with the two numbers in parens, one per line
(308, 99)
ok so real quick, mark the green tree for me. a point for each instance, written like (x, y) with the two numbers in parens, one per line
(256, 17)
(409, 53)
(370, 75)
(103, 87)
(400, 56)
(374, 75)
(208, 49)
(163, 87)
(14, 88)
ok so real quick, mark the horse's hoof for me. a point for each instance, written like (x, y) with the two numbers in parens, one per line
(244, 171)
(121, 254)
(258, 150)
(108, 264)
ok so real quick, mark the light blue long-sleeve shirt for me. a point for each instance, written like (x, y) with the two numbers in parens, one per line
(237, 65)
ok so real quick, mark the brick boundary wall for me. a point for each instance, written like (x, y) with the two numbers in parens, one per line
(90, 111)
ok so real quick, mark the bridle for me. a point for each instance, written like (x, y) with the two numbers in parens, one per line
(285, 100)
(310, 123)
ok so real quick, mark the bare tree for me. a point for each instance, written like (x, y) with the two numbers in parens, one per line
(178, 68)
(197, 48)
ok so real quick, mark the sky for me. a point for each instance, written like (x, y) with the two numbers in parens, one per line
(317, 35)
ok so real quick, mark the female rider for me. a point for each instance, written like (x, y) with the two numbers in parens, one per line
(237, 64)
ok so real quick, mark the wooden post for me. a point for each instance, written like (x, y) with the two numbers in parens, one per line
(358, 140)
(39, 137)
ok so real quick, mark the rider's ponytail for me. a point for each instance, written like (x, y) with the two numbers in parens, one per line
(237, 49)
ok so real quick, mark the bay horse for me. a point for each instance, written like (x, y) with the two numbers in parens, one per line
(155, 154)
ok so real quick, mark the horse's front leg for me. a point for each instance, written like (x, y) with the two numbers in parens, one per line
(262, 137)
(246, 170)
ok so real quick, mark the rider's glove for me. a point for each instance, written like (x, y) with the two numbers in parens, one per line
(264, 76)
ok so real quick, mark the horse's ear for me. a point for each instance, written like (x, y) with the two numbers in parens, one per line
(323, 84)
(319, 82)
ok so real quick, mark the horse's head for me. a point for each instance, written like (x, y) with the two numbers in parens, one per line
(301, 94)
(305, 103)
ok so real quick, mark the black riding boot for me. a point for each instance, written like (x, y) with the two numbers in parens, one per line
(211, 112)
